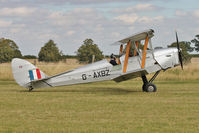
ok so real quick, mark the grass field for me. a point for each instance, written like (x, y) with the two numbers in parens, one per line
(102, 107)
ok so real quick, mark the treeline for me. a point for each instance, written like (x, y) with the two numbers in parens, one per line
(194, 55)
(51, 53)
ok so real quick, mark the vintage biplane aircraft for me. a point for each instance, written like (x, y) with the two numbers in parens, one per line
(133, 62)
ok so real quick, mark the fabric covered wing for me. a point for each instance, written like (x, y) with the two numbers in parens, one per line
(136, 37)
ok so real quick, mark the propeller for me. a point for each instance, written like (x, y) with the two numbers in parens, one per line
(179, 51)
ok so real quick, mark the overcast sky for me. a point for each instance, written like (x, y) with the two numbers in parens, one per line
(31, 23)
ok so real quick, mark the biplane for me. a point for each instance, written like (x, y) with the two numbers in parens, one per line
(137, 58)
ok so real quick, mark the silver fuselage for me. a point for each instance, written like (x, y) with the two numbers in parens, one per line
(158, 59)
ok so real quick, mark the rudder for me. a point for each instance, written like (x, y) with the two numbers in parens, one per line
(24, 72)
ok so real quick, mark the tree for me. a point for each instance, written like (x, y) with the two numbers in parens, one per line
(186, 47)
(8, 50)
(196, 42)
(87, 50)
(49, 52)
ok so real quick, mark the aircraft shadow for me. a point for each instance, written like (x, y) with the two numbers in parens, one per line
(96, 90)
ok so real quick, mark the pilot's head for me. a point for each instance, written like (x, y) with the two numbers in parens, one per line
(113, 56)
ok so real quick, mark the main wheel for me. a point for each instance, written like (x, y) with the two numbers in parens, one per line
(150, 88)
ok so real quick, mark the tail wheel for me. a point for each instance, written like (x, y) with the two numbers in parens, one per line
(150, 87)
(30, 88)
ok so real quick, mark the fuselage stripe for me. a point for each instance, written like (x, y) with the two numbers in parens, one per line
(35, 74)
(38, 73)
(31, 75)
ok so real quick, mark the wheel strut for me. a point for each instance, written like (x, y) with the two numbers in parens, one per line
(30, 88)
(145, 82)
(154, 76)
(148, 86)
(144, 79)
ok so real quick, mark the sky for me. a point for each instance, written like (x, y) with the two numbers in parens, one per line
(32, 23)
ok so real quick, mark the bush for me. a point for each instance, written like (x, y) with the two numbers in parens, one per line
(30, 57)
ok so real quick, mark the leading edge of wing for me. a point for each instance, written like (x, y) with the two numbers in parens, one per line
(136, 37)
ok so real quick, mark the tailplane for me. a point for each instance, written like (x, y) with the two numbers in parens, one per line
(24, 72)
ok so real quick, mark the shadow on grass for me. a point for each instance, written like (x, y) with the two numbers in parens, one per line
(96, 90)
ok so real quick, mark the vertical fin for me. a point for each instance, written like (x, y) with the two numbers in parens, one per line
(24, 72)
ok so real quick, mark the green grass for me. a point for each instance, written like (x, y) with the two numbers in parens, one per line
(101, 107)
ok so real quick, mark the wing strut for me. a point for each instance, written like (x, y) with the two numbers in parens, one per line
(126, 56)
(136, 45)
(144, 52)
(121, 49)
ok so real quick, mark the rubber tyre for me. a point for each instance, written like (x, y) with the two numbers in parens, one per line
(150, 88)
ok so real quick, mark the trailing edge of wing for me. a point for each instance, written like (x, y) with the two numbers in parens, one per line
(136, 37)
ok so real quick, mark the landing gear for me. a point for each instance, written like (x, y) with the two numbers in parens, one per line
(145, 82)
(30, 88)
(144, 87)
(148, 86)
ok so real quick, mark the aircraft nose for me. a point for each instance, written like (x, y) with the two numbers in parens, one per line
(179, 55)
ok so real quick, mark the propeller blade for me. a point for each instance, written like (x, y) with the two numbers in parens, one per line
(179, 51)
(178, 46)
(180, 58)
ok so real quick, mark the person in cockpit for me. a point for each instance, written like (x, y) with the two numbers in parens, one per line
(113, 60)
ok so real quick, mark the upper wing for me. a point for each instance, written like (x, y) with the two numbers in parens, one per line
(136, 37)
